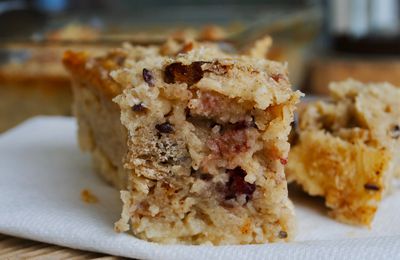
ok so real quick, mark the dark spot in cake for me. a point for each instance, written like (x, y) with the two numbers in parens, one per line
(169, 113)
(395, 131)
(371, 186)
(294, 135)
(179, 73)
(277, 77)
(138, 108)
(377, 173)
(230, 196)
(237, 185)
(148, 77)
(240, 125)
(283, 161)
(244, 124)
(220, 187)
(201, 175)
(205, 176)
(283, 234)
(187, 113)
(165, 128)
(252, 123)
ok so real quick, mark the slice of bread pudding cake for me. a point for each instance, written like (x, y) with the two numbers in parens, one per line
(197, 141)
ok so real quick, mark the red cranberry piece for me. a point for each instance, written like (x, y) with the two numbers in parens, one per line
(284, 161)
(237, 185)
(396, 131)
(371, 186)
(148, 77)
(189, 74)
(283, 234)
(138, 108)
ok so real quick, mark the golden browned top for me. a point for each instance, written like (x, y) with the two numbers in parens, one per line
(95, 71)
(198, 65)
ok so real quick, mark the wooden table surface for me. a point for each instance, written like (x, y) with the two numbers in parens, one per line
(18, 248)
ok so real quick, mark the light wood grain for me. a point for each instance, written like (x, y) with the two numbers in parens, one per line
(366, 69)
(18, 248)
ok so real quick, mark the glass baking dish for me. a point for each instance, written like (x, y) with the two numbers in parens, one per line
(34, 82)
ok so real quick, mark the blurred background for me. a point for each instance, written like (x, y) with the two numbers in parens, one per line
(322, 41)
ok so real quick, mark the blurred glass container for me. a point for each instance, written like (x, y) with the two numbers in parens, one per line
(34, 82)
(365, 26)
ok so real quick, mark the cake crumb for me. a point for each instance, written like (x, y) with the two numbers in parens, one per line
(88, 197)
(246, 228)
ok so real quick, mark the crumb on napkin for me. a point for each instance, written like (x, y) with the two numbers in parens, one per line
(88, 197)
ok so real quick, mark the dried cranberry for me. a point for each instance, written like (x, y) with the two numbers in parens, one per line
(138, 108)
(148, 77)
(371, 186)
(189, 74)
(166, 128)
(283, 234)
(237, 185)
(396, 131)
(284, 161)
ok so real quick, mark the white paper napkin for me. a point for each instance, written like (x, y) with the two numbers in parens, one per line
(42, 173)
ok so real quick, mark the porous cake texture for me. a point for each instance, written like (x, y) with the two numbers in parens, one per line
(196, 140)
(347, 148)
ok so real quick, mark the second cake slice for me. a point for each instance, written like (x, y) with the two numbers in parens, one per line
(347, 148)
